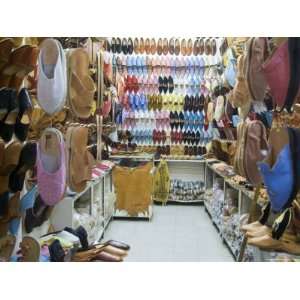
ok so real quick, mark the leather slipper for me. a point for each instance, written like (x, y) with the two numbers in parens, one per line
(207, 47)
(6, 46)
(172, 46)
(165, 46)
(213, 47)
(7, 245)
(124, 46)
(118, 45)
(183, 47)
(160, 46)
(147, 46)
(201, 46)
(177, 46)
(153, 46)
(142, 46)
(30, 249)
(196, 48)
(37, 215)
(113, 45)
(51, 166)
(81, 86)
(79, 161)
(130, 45)
(136, 46)
(24, 116)
(10, 158)
(27, 160)
(189, 47)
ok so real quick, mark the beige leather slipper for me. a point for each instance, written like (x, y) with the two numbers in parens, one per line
(81, 86)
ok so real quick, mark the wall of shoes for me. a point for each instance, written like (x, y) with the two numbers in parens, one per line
(44, 156)
(166, 83)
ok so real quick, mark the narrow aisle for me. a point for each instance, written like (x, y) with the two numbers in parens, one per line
(176, 233)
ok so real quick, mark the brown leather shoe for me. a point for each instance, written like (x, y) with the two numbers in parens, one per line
(213, 47)
(13, 208)
(112, 250)
(6, 46)
(25, 65)
(142, 46)
(160, 46)
(147, 46)
(104, 256)
(172, 46)
(207, 47)
(165, 46)
(153, 46)
(7, 245)
(196, 48)
(183, 47)
(81, 86)
(252, 226)
(80, 162)
(136, 46)
(30, 249)
(11, 157)
(189, 47)
(177, 47)
(201, 46)
(22, 61)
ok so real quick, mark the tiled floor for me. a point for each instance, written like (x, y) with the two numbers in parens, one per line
(175, 233)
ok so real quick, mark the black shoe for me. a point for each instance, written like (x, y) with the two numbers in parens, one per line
(23, 118)
(171, 84)
(165, 84)
(7, 123)
(118, 45)
(181, 120)
(130, 46)
(197, 137)
(172, 122)
(176, 119)
(26, 162)
(186, 102)
(113, 46)
(57, 253)
(37, 215)
(124, 46)
(160, 84)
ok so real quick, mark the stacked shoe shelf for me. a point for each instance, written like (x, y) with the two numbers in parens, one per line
(96, 202)
(229, 231)
(187, 171)
(164, 99)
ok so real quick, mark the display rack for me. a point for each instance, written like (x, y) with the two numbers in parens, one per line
(244, 201)
(187, 170)
(96, 192)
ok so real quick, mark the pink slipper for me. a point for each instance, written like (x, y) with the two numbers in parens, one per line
(51, 166)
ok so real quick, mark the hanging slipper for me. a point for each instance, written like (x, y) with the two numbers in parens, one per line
(26, 162)
(79, 163)
(7, 245)
(51, 173)
(81, 86)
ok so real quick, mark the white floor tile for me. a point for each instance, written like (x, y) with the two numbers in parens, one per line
(175, 233)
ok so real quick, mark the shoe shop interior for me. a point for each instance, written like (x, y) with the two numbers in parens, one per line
(142, 149)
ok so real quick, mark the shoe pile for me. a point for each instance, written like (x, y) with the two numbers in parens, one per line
(186, 190)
